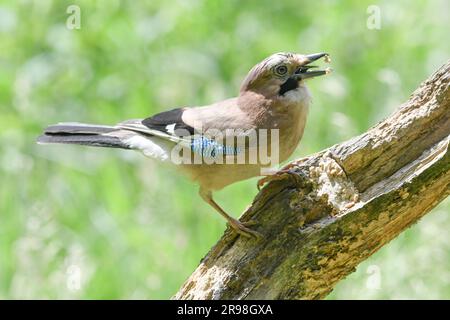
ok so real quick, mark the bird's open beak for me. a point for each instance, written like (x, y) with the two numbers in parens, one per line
(304, 72)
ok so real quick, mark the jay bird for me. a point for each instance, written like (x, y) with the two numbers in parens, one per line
(272, 97)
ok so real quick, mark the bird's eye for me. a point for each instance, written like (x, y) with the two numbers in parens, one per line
(281, 70)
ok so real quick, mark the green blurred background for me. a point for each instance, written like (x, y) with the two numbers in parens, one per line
(95, 223)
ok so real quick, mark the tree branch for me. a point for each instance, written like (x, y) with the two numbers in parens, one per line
(337, 208)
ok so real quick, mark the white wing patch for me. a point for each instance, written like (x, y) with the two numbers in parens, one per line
(171, 128)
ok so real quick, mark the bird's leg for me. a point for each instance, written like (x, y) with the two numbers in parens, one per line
(275, 175)
(239, 227)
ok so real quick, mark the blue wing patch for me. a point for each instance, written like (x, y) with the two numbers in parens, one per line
(211, 149)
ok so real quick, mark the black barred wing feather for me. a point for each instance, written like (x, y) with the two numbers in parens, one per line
(210, 148)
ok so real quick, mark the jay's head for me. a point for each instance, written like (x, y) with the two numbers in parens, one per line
(281, 73)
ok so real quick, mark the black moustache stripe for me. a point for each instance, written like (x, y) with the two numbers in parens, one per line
(289, 85)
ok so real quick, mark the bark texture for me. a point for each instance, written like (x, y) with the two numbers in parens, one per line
(337, 207)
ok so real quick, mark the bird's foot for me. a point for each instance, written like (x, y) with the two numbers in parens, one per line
(243, 229)
(276, 176)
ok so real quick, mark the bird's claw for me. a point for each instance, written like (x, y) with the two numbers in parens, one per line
(249, 223)
(276, 176)
(242, 228)
(261, 182)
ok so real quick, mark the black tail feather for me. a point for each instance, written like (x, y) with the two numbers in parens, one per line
(94, 140)
(83, 134)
